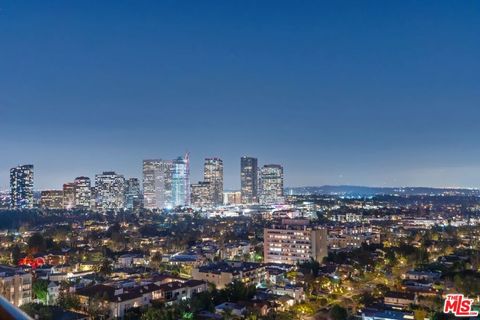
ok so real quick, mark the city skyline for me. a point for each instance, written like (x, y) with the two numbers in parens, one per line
(310, 160)
(375, 93)
(198, 176)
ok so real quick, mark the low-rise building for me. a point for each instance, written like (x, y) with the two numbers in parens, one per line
(235, 309)
(223, 273)
(296, 292)
(116, 299)
(352, 241)
(386, 315)
(129, 260)
(176, 291)
(235, 251)
(417, 275)
(399, 300)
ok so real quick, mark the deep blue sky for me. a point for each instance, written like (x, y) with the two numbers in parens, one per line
(339, 92)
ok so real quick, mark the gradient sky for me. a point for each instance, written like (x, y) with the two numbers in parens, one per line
(383, 93)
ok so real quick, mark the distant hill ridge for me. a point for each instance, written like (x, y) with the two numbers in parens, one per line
(348, 190)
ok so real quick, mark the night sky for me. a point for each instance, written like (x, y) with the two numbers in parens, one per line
(380, 93)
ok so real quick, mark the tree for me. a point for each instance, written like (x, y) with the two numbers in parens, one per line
(40, 289)
(420, 314)
(96, 306)
(238, 291)
(37, 311)
(36, 243)
(311, 267)
(15, 254)
(203, 301)
(153, 313)
(105, 267)
(338, 313)
(68, 301)
(156, 260)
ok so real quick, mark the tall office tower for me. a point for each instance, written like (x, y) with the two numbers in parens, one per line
(51, 199)
(213, 174)
(201, 196)
(69, 195)
(110, 191)
(157, 183)
(271, 184)
(294, 241)
(21, 187)
(249, 179)
(83, 192)
(133, 194)
(181, 181)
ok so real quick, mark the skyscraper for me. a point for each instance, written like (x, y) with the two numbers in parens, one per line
(201, 196)
(83, 192)
(51, 199)
(69, 195)
(157, 183)
(213, 174)
(181, 181)
(110, 191)
(271, 184)
(249, 179)
(21, 187)
(133, 194)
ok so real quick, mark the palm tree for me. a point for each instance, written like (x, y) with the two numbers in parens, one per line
(105, 268)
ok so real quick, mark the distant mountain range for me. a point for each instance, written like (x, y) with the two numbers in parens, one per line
(346, 190)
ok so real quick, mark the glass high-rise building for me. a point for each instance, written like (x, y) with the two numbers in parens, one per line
(21, 187)
(83, 192)
(213, 175)
(133, 194)
(181, 181)
(271, 184)
(166, 183)
(69, 195)
(157, 183)
(249, 179)
(110, 191)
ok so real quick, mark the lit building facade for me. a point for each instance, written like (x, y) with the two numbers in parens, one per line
(157, 183)
(133, 194)
(181, 181)
(249, 179)
(21, 187)
(271, 184)
(294, 241)
(232, 197)
(213, 174)
(201, 196)
(69, 195)
(51, 199)
(83, 192)
(110, 191)
(15, 285)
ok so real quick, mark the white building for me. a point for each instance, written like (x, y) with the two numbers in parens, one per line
(15, 285)
(110, 189)
(293, 241)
